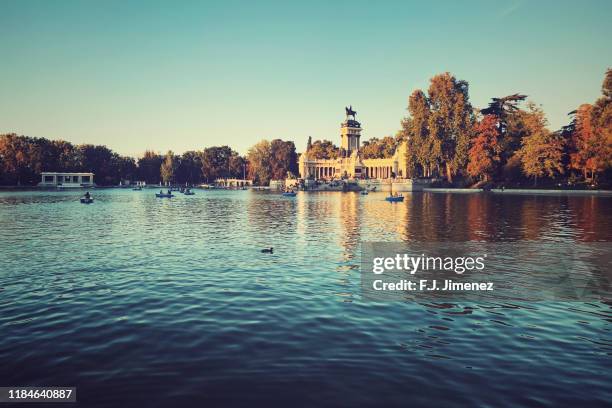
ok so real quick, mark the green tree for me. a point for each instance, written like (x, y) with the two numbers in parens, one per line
(237, 165)
(323, 149)
(216, 162)
(149, 167)
(541, 150)
(379, 148)
(504, 109)
(423, 152)
(259, 158)
(168, 167)
(283, 159)
(450, 121)
(189, 168)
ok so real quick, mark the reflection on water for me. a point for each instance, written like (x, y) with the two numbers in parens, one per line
(171, 302)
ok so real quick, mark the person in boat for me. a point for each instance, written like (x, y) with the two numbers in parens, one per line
(169, 192)
(161, 192)
(87, 195)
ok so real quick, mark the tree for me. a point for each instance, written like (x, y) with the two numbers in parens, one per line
(68, 157)
(484, 153)
(216, 162)
(189, 168)
(601, 117)
(122, 168)
(323, 149)
(541, 150)
(168, 167)
(259, 157)
(450, 121)
(503, 108)
(379, 148)
(283, 159)
(15, 154)
(96, 159)
(509, 124)
(149, 167)
(237, 166)
(422, 154)
(583, 146)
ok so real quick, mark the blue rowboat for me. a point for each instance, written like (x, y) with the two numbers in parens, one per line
(289, 194)
(394, 199)
(85, 200)
(163, 195)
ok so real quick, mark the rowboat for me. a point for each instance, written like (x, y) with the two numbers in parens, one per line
(158, 195)
(394, 199)
(289, 194)
(85, 200)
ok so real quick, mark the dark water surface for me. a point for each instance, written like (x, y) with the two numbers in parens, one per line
(150, 302)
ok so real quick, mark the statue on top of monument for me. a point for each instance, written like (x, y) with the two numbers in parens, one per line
(350, 111)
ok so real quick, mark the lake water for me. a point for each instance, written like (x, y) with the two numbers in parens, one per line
(139, 301)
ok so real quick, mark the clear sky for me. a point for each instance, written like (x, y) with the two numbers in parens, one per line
(183, 75)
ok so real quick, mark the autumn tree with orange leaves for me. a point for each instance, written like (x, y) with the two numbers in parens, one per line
(484, 153)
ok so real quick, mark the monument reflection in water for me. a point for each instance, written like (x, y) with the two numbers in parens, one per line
(145, 302)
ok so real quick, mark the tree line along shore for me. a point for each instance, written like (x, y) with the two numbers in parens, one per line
(507, 143)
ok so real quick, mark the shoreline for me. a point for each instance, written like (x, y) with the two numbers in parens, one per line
(525, 191)
(509, 191)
